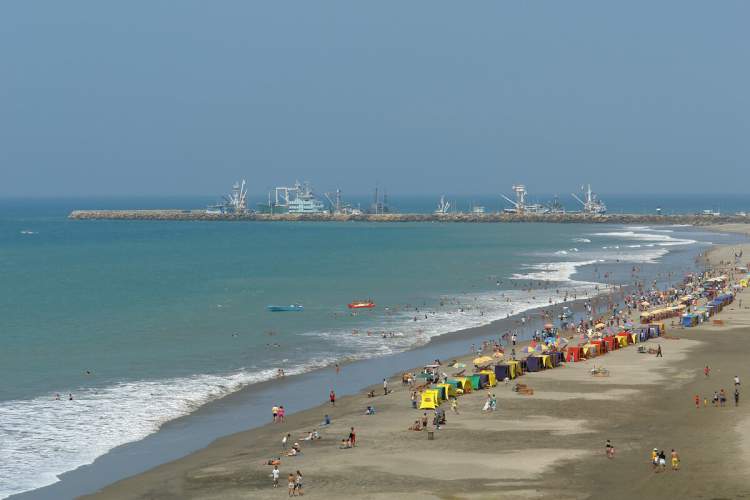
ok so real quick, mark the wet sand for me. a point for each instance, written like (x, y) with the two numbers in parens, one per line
(549, 445)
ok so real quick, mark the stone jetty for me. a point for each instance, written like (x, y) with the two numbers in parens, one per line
(200, 215)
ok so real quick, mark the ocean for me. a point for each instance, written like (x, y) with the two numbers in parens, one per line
(142, 322)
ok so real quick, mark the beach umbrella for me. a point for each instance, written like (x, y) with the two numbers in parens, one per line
(482, 360)
(497, 354)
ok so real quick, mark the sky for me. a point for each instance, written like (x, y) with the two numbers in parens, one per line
(174, 98)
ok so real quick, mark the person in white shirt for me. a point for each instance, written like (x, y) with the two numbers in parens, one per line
(275, 474)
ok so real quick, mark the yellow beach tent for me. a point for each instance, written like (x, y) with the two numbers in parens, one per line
(491, 374)
(515, 368)
(464, 384)
(429, 400)
(546, 361)
(450, 389)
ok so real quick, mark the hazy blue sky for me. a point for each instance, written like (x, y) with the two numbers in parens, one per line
(184, 97)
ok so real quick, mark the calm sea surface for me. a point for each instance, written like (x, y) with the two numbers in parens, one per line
(142, 321)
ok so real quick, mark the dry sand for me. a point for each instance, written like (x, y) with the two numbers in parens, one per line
(549, 445)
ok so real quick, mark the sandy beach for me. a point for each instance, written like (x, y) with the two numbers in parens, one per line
(547, 445)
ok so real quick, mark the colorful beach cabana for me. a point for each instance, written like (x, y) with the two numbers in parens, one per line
(450, 390)
(502, 371)
(574, 354)
(464, 384)
(491, 378)
(429, 400)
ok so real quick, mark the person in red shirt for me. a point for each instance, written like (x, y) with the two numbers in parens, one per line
(332, 397)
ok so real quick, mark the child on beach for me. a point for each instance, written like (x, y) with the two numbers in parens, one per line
(275, 475)
(292, 482)
(298, 484)
(675, 460)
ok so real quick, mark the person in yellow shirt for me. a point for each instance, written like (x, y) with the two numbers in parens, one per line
(655, 458)
(675, 460)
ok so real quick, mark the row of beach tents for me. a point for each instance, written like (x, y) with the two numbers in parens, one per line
(487, 377)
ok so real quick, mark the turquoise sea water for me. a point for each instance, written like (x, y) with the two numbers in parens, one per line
(144, 321)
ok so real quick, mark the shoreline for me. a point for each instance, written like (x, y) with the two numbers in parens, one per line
(230, 467)
(443, 342)
(88, 477)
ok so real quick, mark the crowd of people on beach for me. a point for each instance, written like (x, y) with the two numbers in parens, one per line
(615, 308)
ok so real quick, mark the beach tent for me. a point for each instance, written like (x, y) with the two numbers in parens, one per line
(546, 361)
(455, 383)
(464, 384)
(483, 360)
(601, 346)
(634, 338)
(475, 382)
(534, 363)
(622, 340)
(450, 390)
(574, 353)
(689, 320)
(610, 343)
(492, 380)
(516, 366)
(442, 393)
(589, 350)
(556, 358)
(484, 379)
(502, 371)
(429, 401)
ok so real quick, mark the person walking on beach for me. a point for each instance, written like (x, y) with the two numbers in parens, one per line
(285, 441)
(352, 437)
(332, 397)
(658, 352)
(275, 475)
(675, 460)
(697, 401)
(275, 412)
(385, 387)
(736, 381)
(707, 370)
(513, 339)
(454, 405)
(282, 414)
(736, 396)
(609, 449)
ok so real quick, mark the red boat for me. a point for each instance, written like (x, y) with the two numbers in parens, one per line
(362, 305)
